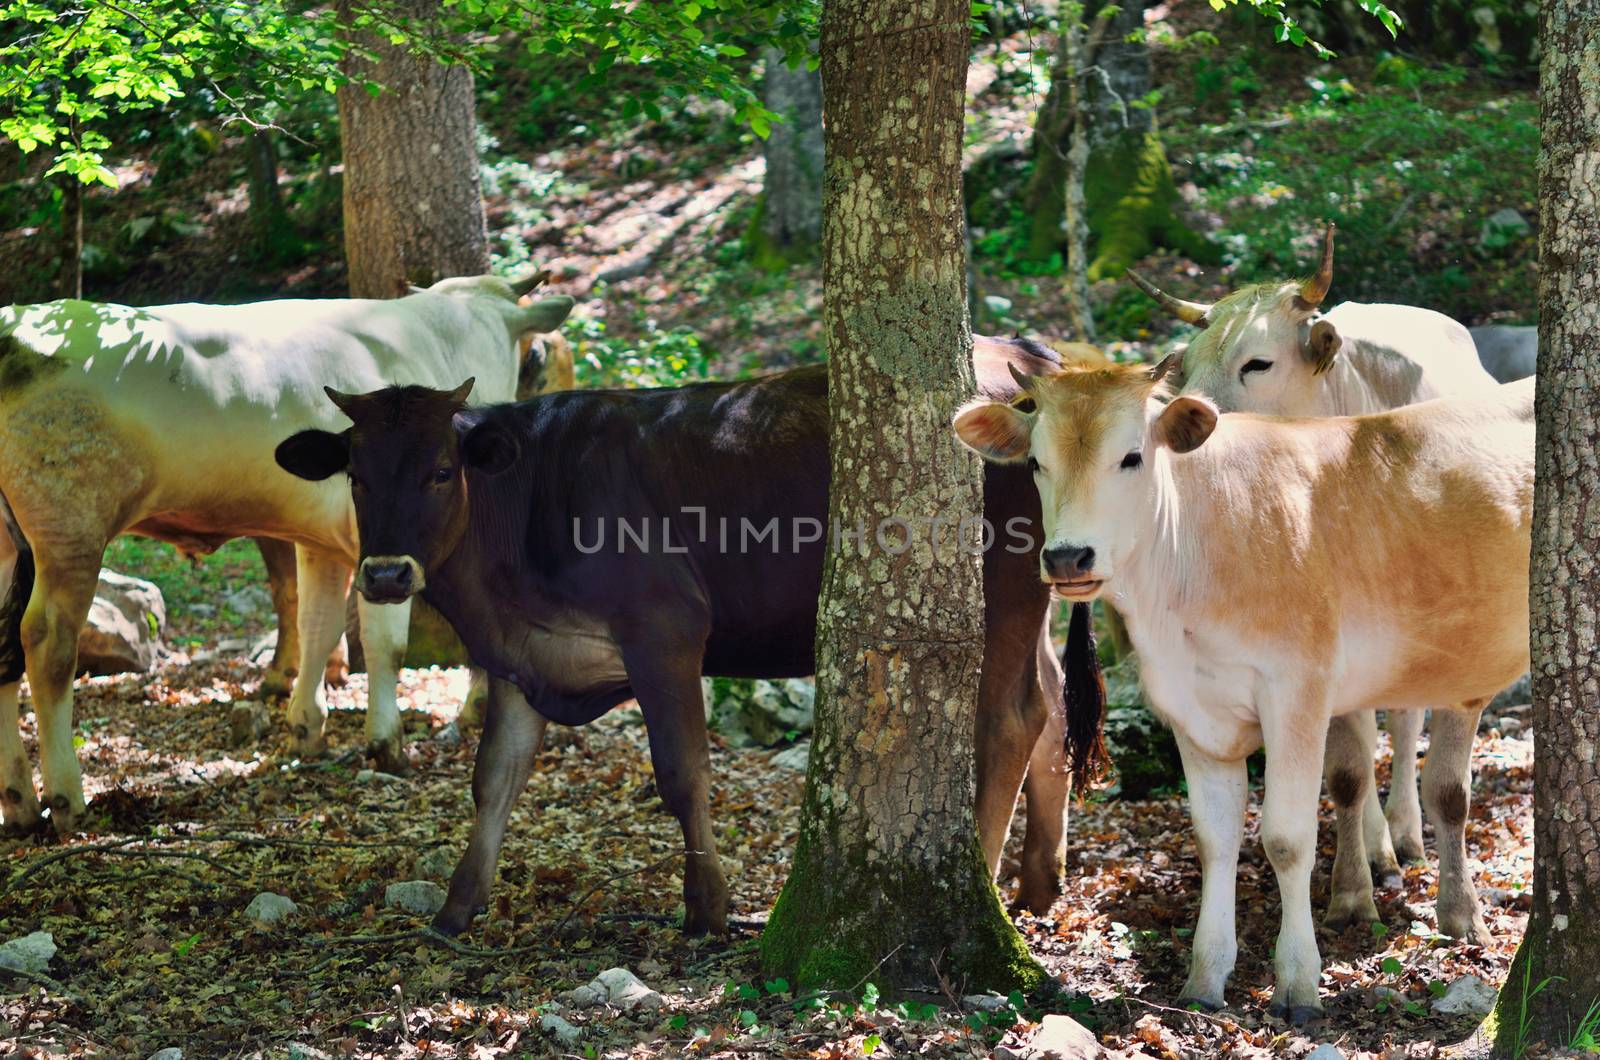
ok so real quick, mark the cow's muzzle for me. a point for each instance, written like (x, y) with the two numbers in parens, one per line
(389, 579)
(1069, 569)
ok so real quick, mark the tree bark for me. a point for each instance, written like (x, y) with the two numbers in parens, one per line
(790, 223)
(70, 284)
(888, 881)
(1563, 932)
(269, 222)
(413, 202)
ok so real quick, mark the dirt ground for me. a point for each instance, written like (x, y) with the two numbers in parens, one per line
(154, 947)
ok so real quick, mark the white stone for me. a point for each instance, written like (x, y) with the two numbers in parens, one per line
(1326, 1051)
(984, 1002)
(267, 909)
(1467, 996)
(123, 632)
(422, 897)
(559, 1029)
(171, 1052)
(795, 758)
(1062, 1038)
(248, 722)
(373, 776)
(30, 953)
(616, 986)
(436, 864)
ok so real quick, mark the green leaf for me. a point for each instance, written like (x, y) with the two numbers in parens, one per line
(1392, 966)
(747, 1017)
(678, 1022)
(748, 992)
(1437, 987)
(870, 1043)
(777, 986)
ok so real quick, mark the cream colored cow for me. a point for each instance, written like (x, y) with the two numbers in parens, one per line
(162, 421)
(1269, 348)
(1276, 575)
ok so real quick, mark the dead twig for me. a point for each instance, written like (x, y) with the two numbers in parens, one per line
(1221, 1021)
(44, 981)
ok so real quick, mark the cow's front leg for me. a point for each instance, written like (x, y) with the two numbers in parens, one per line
(1009, 722)
(1217, 792)
(384, 628)
(1402, 810)
(322, 579)
(1447, 791)
(512, 734)
(1295, 731)
(63, 590)
(665, 675)
(1349, 774)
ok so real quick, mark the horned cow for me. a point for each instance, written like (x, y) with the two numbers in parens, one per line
(162, 421)
(1276, 575)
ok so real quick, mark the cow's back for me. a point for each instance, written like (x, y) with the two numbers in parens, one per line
(1405, 354)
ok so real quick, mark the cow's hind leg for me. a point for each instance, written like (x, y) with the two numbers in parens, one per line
(665, 675)
(1381, 858)
(512, 733)
(1348, 769)
(19, 803)
(1402, 809)
(1447, 792)
(1010, 719)
(322, 579)
(1047, 786)
(279, 559)
(62, 594)
(383, 641)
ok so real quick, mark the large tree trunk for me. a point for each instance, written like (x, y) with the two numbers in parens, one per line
(1563, 933)
(790, 221)
(413, 204)
(888, 881)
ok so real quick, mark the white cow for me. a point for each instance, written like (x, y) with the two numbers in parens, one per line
(1269, 348)
(1276, 574)
(162, 421)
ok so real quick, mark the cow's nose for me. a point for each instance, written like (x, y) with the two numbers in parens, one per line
(1068, 562)
(385, 582)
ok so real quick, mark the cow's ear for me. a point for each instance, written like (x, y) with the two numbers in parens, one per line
(314, 455)
(546, 314)
(995, 431)
(1322, 345)
(489, 448)
(1185, 423)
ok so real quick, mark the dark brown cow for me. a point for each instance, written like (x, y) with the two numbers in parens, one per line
(495, 514)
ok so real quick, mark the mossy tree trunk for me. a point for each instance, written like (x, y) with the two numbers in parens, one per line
(269, 220)
(788, 224)
(1563, 933)
(888, 882)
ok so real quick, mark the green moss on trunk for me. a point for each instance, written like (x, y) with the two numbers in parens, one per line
(1133, 205)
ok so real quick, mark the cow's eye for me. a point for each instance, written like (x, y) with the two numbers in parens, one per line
(443, 475)
(1132, 460)
(1033, 465)
(1254, 365)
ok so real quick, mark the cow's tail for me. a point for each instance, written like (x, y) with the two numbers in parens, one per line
(15, 590)
(1085, 691)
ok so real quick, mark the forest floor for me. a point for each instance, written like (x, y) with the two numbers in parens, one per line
(147, 907)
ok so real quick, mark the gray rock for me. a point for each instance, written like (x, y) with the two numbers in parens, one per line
(30, 953)
(448, 735)
(373, 776)
(233, 646)
(171, 1052)
(248, 722)
(760, 713)
(302, 1051)
(1507, 351)
(248, 600)
(422, 897)
(616, 986)
(795, 758)
(1502, 228)
(1389, 995)
(1467, 996)
(1062, 1038)
(1510, 726)
(1520, 693)
(984, 1002)
(123, 634)
(267, 909)
(1325, 1051)
(559, 1029)
(436, 864)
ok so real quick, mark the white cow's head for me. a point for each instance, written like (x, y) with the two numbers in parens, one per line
(1264, 348)
(1092, 437)
(524, 315)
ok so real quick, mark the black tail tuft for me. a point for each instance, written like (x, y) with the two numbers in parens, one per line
(1086, 701)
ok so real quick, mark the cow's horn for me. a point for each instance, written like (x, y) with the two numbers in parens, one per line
(458, 396)
(1188, 312)
(1024, 382)
(528, 283)
(1159, 371)
(344, 402)
(1314, 290)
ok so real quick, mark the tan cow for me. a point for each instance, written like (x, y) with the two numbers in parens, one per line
(1269, 348)
(1275, 575)
(162, 421)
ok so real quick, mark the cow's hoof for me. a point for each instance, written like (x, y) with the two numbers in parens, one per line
(275, 684)
(1357, 910)
(1037, 898)
(1408, 848)
(453, 919)
(302, 744)
(697, 923)
(1294, 1015)
(1468, 928)
(389, 756)
(66, 814)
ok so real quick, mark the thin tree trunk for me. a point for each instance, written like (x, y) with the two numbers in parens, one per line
(268, 220)
(888, 880)
(71, 282)
(413, 203)
(791, 206)
(1073, 211)
(1563, 932)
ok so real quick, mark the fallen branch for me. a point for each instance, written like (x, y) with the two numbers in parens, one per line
(44, 981)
